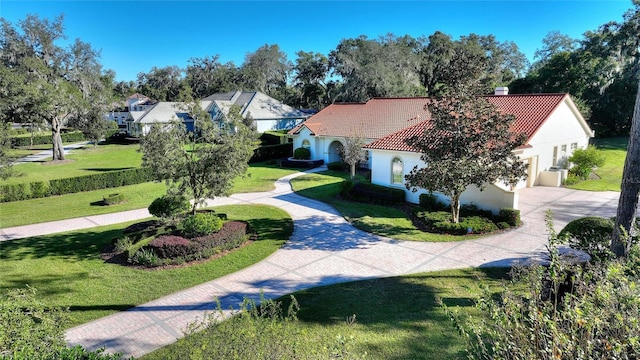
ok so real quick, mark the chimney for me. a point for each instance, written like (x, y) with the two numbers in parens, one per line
(502, 91)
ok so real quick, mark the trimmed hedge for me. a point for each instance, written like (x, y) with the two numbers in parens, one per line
(168, 206)
(372, 193)
(338, 166)
(269, 152)
(73, 136)
(591, 234)
(113, 199)
(510, 216)
(106, 180)
(273, 137)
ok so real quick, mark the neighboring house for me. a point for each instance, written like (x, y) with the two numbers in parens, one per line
(267, 113)
(552, 122)
(125, 113)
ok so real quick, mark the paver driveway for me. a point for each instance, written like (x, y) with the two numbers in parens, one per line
(325, 249)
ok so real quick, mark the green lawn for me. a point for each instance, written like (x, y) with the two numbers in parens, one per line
(396, 318)
(259, 177)
(610, 174)
(377, 219)
(67, 270)
(83, 161)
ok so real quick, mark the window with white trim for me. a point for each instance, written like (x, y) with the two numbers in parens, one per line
(397, 171)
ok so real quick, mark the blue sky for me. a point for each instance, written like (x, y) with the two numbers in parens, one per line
(134, 36)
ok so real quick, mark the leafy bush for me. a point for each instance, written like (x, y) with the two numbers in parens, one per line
(302, 154)
(29, 329)
(585, 160)
(503, 225)
(201, 224)
(560, 311)
(145, 257)
(590, 234)
(168, 206)
(268, 152)
(171, 246)
(21, 141)
(510, 216)
(113, 199)
(472, 209)
(338, 166)
(571, 179)
(467, 225)
(430, 201)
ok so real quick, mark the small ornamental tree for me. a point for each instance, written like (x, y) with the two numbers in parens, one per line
(352, 152)
(467, 142)
(200, 164)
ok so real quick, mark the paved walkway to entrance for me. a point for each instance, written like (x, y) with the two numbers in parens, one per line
(324, 249)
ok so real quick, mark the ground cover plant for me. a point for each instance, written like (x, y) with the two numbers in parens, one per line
(68, 270)
(391, 318)
(386, 221)
(608, 177)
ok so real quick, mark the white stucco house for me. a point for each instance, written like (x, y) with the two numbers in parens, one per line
(140, 113)
(552, 123)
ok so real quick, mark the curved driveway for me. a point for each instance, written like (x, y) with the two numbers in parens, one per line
(324, 249)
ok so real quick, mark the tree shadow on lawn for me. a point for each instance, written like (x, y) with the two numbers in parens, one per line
(75, 246)
(388, 305)
(108, 169)
(46, 284)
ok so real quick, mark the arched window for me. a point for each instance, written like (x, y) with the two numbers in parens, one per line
(397, 170)
(306, 143)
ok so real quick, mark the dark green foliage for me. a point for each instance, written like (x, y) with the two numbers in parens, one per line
(472, 209)
(113, 199)
(561, 310)
(302, 154)
(15, 192)
(106, 180)
(301, 164)
(201, 224)
(171, 246)
(38, 189)
(29, 329)
(429, 201)
(503, 225)
(585, 160)
(466, 225)
(69, 137)
(274, 137)
(168, 206)
(269, 152)
(338, 166)
(372, 193)
(590, 234)
(432, 217)
(510, 216)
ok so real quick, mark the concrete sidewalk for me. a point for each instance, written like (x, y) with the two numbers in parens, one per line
(43, 155)
(324, 249)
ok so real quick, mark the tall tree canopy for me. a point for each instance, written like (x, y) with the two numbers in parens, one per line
(468, 142)
(267, 70)
(208, 76)
(162, 84)
(44, 81)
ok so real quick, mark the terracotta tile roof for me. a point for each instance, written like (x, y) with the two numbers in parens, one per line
(374, 119)
(530, 110)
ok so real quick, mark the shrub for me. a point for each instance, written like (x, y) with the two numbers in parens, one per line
(468, 225)
(503, 225)
(431, 217)
(231, 235)
(172, 246)
(585, 160)
(472, 209)
(430, 201)
(268, 152)
(113, 199)
(41, 139)
(510, 216)
(38, 189)
(590, 234)
(302, 154)
(122, 244)
(560, 311)
(106, 180)
(571, 179)
(145, 257)
(338, 166)
(168, 206)
(201, 224)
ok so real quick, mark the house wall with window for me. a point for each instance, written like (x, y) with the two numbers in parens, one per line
(391, 167)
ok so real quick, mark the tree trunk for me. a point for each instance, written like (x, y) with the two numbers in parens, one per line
(353, 171)
(628, 202)
(455, 208)
(56, 139)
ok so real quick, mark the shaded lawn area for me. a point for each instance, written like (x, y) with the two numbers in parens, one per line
(610, 174)
(67, 269)
(396, 318)
(259, 177)
(382, 220)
